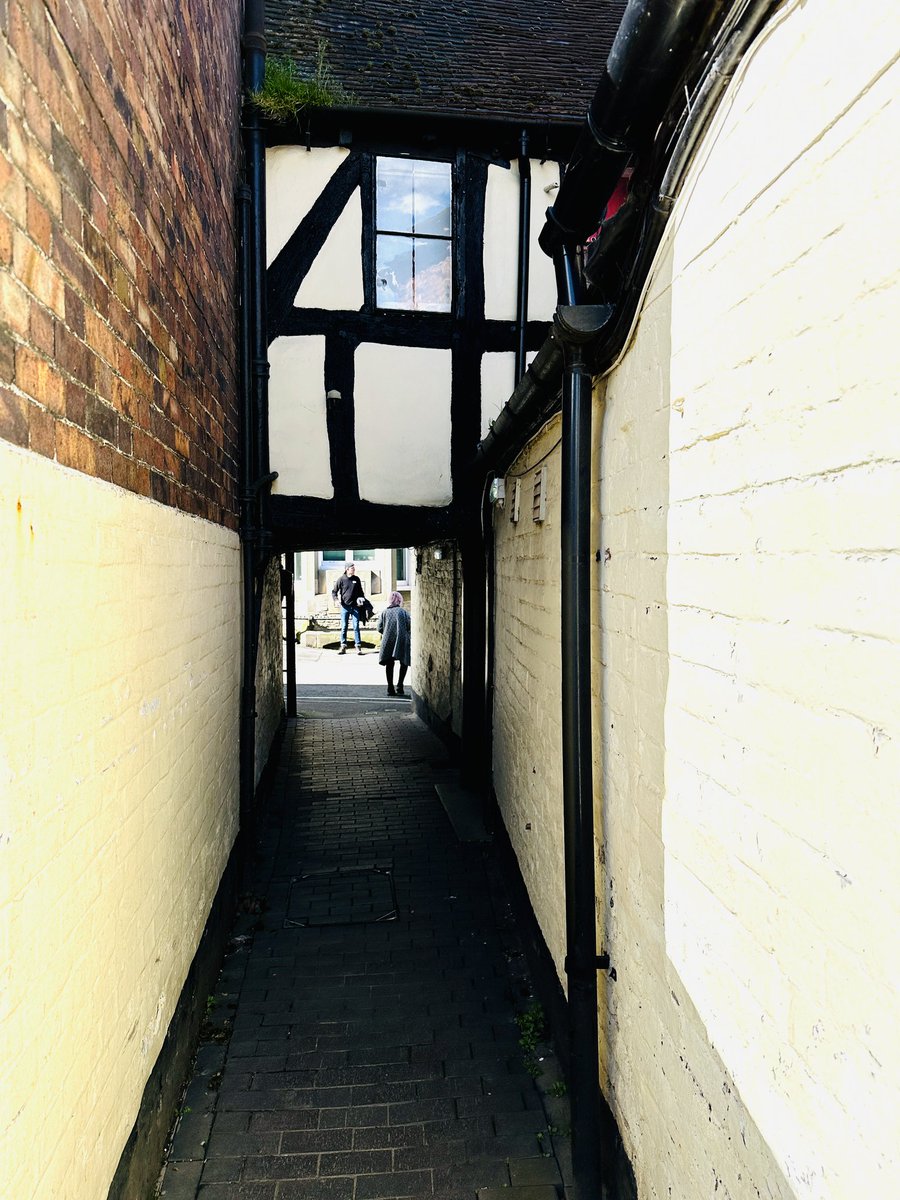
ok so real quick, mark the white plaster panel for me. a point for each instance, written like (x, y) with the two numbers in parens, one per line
(501, 232)
(541, 276)
(298, 431)
(498, 378)
(295, 178)
(501, 243)
(335, 278)
(403, 425)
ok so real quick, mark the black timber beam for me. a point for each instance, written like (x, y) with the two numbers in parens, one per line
(391, 130)
(310, 523)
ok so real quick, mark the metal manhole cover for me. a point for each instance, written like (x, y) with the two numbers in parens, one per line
(341, 896)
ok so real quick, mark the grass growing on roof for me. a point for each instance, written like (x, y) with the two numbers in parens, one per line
(285, 92)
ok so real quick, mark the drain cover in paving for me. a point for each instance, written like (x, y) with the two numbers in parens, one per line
(342, 896)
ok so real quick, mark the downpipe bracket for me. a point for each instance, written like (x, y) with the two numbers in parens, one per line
(579, 972)
(263, 481)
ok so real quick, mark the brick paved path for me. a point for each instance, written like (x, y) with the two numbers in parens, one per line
(371, 1003)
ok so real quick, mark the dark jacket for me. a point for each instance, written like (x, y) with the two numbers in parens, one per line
(348, 590)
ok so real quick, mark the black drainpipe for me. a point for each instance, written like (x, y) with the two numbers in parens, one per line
(253, 379)
(524, 252)
(577, 326)
(255, 59)
(248, 525)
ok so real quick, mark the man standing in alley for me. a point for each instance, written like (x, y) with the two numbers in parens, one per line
(349, 592)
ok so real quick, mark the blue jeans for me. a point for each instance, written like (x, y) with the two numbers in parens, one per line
(348, 614)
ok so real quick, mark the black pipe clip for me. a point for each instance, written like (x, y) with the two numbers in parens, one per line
(577, 971)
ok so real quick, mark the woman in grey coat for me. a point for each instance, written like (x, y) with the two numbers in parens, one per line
(394, 627)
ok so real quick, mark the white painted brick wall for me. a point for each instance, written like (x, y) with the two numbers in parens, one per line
(766, 800)
(527, 726)
(120, 630)
(746, 670)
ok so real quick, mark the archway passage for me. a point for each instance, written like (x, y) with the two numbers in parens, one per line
(325, 639)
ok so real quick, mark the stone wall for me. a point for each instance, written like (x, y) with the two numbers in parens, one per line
(269, 666)
(437, 637)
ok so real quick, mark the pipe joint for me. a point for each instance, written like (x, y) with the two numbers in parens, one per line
(605, 141)
(555, 234)
(579, 324)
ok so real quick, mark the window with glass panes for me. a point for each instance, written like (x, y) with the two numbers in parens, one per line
(413, 230)
(332, 558)
(401, 565)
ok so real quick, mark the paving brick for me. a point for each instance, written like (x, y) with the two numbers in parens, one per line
(237, 1191)
(281, 1166)
(541, 1192)
(536, 1170)
(317, 1189)
(396, 1184)
(315, 1141)
(181, 1180)
(223, 1170)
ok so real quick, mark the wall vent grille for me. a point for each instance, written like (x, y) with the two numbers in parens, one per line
(539, 495)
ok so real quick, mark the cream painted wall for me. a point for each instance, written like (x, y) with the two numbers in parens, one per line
(295, 178)
(298, 432)
(501, 243)
(120, 630)
(527, 680)
(403, 425)
(747, 719)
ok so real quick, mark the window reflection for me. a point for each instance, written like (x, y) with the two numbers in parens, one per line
(413, 217)
(413, 273)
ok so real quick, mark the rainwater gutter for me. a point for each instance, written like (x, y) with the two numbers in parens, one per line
(254, 480)
(648, 61)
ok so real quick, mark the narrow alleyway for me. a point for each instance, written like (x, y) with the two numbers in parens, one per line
(363, 1040)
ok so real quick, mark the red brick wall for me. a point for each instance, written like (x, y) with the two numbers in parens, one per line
(119, 142)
